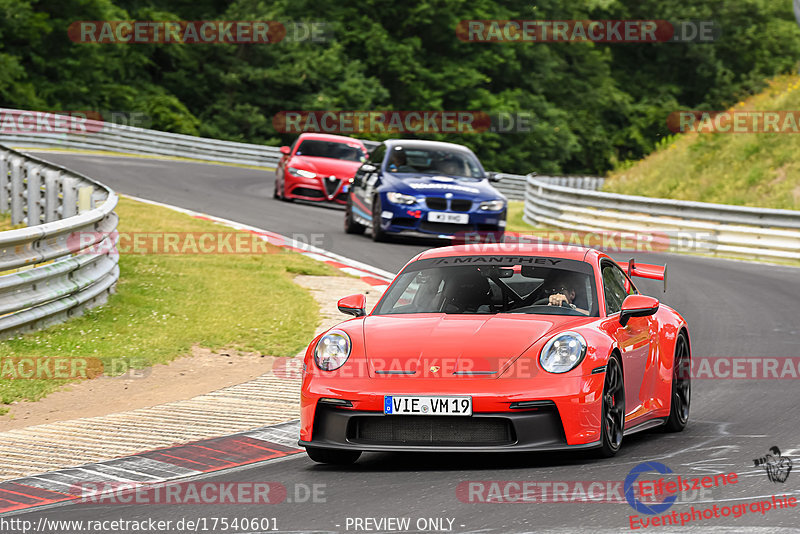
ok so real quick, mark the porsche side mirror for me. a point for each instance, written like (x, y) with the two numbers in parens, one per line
(494, 176)
(637, 306)
(354, 305)
(286, 150)
(368, 167)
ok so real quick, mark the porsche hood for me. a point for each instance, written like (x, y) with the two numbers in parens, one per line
(441, 345)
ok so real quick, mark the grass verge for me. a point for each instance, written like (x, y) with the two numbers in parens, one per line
(515, 222)
(166, 303)
(743, 169)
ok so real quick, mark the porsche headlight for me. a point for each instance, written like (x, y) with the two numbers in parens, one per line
(563, 353)
(302, 173)
(400, 198)
(493, 205)
(332, 350)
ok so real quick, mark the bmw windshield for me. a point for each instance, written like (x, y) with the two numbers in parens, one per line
(439, 161)
(491, 284)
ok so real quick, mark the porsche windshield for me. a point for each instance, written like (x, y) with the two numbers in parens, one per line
(330, 149)
(452, 163)
(490, 285)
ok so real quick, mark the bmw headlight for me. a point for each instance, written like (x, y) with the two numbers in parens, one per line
(332, 350)
(563, 353)
(493, 205)
(400, 198)
(302, 173)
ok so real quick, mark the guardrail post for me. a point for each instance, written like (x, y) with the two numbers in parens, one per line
(51, 195)
(5, 184)
(17, 192)
(85, 200)
(34, 194)
(69, 206)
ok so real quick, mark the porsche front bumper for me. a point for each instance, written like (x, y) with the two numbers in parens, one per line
(529, 430)
(565, 415)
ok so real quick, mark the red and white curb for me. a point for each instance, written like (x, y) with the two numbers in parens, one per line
(378, 278)
(152, 467)
(191, 459)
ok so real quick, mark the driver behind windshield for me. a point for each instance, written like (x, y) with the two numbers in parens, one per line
(564, 291)
(450, 167)
(398, 161)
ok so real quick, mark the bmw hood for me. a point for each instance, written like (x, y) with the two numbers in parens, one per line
(434, 186)
(459, 345)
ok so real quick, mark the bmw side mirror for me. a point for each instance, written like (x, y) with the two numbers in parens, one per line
(285, 150)
(637, 306)
(354, 305)
(494, 176)
(368, 167)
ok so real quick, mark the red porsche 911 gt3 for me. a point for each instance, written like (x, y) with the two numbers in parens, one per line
(318, 167)
(498, 348)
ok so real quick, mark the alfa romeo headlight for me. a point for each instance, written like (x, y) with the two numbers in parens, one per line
(400, 198)
(563, 353)
(302, 173)
(332, 350)
(493, 205)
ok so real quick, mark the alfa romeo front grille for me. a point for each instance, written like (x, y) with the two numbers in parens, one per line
(331, 184)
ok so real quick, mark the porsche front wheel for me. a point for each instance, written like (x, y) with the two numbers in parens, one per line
(681, 387)
(332, 456)
(612, 424)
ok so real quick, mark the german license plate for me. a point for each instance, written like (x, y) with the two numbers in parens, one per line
(444, 217)
(418, 405)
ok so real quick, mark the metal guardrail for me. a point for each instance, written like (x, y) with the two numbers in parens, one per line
(44, 276)
(671, 225)
(513, 185)
(89, 134)
(563, 202)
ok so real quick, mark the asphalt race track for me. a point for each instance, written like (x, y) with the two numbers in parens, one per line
(734, 309)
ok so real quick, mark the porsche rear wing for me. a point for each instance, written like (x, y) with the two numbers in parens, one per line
(646, 270)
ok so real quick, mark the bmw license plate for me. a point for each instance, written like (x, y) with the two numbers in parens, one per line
(418, 405)
(444, 217)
